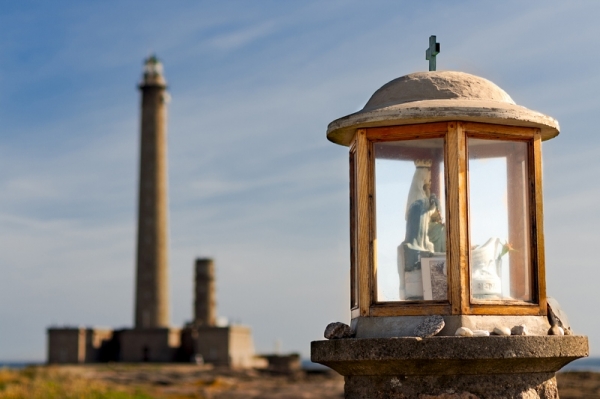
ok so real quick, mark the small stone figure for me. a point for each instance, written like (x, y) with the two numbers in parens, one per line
(430, 326)
(338, 330)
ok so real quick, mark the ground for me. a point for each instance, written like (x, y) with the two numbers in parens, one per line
(152, 381)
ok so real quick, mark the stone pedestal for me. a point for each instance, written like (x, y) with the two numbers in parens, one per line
(450, 367)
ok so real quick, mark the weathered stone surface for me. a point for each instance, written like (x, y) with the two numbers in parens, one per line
(505, 386)
(462, 395)
(519, 330)
(404, 326)
(152, 283)
(338, 330)
(463, 332)
(430, 326)
(449, 355)
(501, 331)
(437, 96)
(481, 333)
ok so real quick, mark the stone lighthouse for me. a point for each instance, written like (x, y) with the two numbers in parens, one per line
(152, 273)
(153, 339)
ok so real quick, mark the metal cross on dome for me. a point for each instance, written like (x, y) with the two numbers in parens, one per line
(432, 51)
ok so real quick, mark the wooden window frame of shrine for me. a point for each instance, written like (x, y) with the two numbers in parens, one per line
(363, 228)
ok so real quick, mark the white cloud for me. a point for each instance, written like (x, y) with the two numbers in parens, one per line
(239, 38)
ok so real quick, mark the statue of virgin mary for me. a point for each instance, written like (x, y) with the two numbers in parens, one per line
(420, 206)
(422, 214)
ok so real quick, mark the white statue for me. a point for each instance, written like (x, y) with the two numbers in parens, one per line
(420, 207)
(486, 269)
(422, 212)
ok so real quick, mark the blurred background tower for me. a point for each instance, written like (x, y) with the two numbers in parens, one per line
(153, 339)
(205, 303)
(152, 293)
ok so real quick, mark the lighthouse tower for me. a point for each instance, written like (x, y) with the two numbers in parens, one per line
(152, 338)
(152, 292)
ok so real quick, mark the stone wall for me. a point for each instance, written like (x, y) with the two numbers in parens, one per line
(149, 344)
(230, 346)
(76, 344)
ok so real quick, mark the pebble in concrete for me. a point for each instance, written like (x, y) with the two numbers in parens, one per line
(501, 331)
(568, 331)
(338, 330)
(519, 330)
(481, 333)
(464, 332)
(556, 330)
(430, 326)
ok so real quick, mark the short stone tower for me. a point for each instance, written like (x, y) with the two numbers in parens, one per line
(205, 303)
(152, 293)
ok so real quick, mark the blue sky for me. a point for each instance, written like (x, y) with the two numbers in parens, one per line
(253, 181)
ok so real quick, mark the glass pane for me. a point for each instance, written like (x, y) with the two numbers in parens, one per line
(499, 220)
(353, 237)
(410, 244)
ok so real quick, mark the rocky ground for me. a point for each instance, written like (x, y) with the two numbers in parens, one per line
(572, 385)
(199, 382)
(152, 381)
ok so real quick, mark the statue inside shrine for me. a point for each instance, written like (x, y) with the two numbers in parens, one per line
(420, 207)
(424, 247)
(486, 269)
(425, 232)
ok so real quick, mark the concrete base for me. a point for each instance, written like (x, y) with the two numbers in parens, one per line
(505, 386)
(450, 367)
(404, 326)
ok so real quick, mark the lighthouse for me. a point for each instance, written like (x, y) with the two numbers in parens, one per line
(152, 272)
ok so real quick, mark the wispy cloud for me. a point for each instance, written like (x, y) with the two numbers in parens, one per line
(253, 181)
(242, 37)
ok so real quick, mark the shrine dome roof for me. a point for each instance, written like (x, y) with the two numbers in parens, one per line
(437, 96)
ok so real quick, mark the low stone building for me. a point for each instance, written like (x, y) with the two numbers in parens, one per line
(283, 364)
(150, 345)
(78, 344)
(230, 346)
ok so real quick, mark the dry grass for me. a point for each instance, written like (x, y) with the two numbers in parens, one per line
(53, 383)
(147, 381)
(153, 381)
